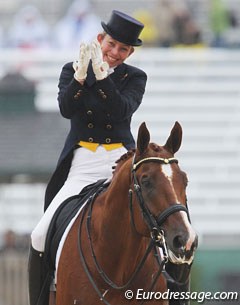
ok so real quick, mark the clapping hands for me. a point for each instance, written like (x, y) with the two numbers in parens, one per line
(87, 52)
(81, 65)
(100, 67)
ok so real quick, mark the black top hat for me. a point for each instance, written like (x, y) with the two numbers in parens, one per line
(124, 28)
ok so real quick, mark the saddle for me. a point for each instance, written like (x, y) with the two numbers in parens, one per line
(62, 217)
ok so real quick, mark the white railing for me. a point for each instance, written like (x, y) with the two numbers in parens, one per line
(13, 278)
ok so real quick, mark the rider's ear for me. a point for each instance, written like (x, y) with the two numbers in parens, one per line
(175, 139)
(143, 138)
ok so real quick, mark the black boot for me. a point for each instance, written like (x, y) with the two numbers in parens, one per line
(178, 280)
(39, 280)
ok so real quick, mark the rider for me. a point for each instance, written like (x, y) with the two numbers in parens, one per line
(98, 94)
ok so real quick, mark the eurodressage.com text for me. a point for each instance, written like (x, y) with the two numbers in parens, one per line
(200, 297)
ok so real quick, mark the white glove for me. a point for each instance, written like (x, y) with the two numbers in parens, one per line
(80, 66)
(100, 67)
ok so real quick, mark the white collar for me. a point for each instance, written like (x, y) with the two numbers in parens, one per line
(111, 70)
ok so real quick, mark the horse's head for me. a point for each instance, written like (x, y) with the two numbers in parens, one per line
(159, 191)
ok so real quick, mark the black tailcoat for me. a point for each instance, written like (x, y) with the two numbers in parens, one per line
(99, 111)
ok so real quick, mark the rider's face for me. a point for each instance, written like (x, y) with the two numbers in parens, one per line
(114, 52)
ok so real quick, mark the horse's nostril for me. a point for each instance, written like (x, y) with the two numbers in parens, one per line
(178, 242)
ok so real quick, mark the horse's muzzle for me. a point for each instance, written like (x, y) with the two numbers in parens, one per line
(183, 248)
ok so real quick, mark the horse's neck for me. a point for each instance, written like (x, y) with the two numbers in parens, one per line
(116, 202)
(116, 214)
(117, 239)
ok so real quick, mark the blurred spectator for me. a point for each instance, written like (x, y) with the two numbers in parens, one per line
(175, 24)
(232, 35)
(9, 241)
(29, 30)
(80, 24)
(186, 30)
(221, 21)
(149, 34)
(14, 242)
(164, 14)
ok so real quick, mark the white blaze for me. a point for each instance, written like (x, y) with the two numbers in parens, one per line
(167, 171)
(191, 232)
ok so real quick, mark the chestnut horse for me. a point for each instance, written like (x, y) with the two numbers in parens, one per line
(123, 239)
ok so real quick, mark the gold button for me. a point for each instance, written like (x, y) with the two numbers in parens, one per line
(108, 140)
(90, 125)
(89, 112)
(104, 96)
(90, 140)
(109, 126)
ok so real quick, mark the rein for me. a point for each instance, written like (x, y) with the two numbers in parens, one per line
(103, 275)
(101, 272)
(157, 241)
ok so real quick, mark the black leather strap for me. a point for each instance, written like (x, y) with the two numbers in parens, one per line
(172, 209)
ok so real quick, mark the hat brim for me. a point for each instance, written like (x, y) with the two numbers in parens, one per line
(136, 43)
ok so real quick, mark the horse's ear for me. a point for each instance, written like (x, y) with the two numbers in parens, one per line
(175, 139)
(143, 138)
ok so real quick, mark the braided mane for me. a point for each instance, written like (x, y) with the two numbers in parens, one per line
(130, 153)
(122, 159)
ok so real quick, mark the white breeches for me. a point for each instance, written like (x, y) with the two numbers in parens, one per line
(87, 167)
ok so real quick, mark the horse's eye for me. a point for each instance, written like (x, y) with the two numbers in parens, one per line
(145, 181)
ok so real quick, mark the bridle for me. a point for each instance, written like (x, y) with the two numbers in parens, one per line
(153, 223)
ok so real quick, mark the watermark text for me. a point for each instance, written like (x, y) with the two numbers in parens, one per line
(200, 297)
